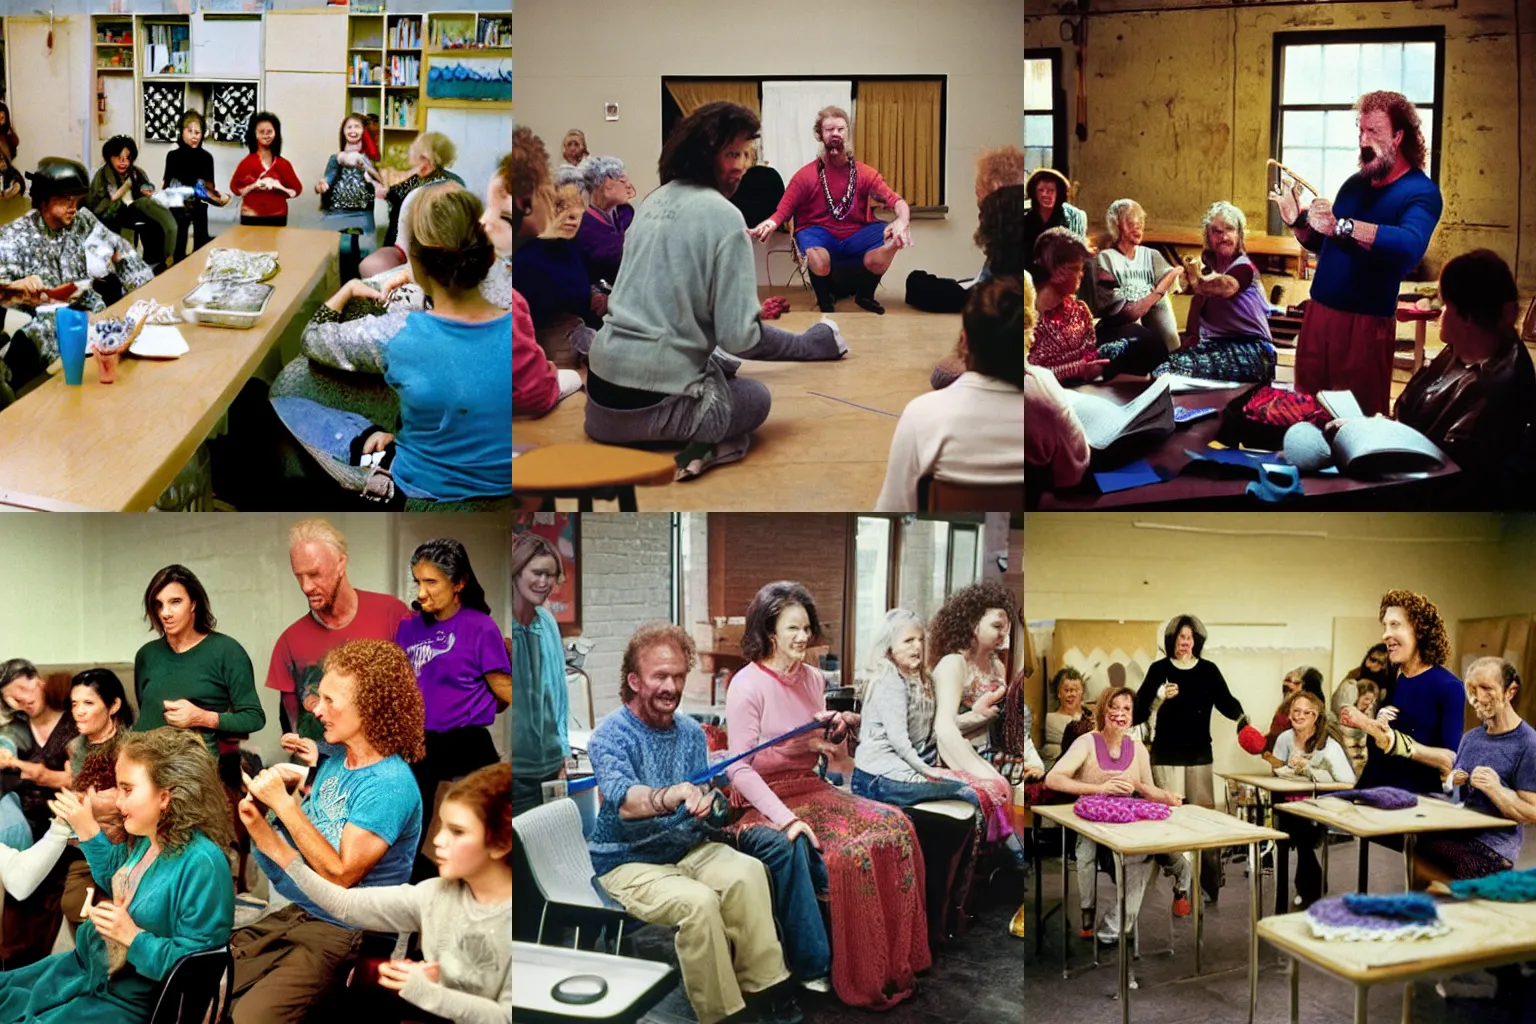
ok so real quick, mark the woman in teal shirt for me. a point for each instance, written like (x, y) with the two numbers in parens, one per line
(170, 893)
(540, 704)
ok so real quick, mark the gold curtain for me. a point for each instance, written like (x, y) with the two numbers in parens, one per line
(896, 131)
(690, 96)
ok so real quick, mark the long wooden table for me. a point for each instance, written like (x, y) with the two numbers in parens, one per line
(1483, 934)
(1188, 828)
(118, 446)
(1210, 491)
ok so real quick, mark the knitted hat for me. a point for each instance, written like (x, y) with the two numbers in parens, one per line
(1359, 917)
(1503, 886)
(1250, 739)
(1388, 798)
(1120, 809)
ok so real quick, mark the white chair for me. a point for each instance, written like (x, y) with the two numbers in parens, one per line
(562, 866)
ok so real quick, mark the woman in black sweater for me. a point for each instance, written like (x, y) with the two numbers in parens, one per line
(189, 165)
(1181, 690)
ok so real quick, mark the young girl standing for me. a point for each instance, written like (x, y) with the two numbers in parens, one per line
(190, 165)
(347, 189)
(265, 181)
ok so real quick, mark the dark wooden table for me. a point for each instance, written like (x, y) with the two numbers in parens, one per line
(1205, 489)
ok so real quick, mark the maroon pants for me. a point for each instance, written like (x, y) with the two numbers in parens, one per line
(1339, 351)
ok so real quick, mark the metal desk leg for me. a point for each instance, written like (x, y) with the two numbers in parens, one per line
(1035, 863)
(1125, 999)
(1282, 870)
(1363, 849)
(1408, 861)
(1408, 1001)
(1198, 899)
(1326, 844)
(1295, 967)
(1361, 994)
(1066, 940)
(1254, 889)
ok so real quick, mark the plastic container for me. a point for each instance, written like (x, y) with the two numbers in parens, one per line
(71, 326)
(198, 305)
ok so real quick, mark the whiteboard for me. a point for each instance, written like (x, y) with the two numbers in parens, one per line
(482, 138)
(226, 47)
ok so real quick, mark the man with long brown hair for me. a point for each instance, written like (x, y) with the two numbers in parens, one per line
(1368, 239)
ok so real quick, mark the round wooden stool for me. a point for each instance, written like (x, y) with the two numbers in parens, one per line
(589, 472)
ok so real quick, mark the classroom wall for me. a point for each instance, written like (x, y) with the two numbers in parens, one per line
(1263, 584)
(87, 574)
(626, 574)
(1178, 111)
(568, 67)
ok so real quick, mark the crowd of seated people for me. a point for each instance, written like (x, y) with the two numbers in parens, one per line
(128, 825)
(746, 880)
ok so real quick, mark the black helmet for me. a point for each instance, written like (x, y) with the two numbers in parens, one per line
(58, 176)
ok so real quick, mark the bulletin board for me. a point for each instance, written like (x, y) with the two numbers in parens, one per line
(562, 529)
(1510, 637)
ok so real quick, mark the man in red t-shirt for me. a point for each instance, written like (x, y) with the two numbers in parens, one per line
(338, 612)
(829, 200)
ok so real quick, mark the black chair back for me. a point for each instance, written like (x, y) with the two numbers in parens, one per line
(759, 194)
(199, 988)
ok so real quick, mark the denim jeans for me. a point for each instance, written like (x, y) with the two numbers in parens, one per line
(796, 873)
(15, 832)
(904, 794)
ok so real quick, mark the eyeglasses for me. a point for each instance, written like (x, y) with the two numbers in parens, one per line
(1303, 713)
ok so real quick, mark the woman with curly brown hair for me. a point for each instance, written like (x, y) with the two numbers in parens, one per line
(169, 888)
(359, 825)
(1425, 701)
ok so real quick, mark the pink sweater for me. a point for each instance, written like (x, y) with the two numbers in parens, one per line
(759, 705)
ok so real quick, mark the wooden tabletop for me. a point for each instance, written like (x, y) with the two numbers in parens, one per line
(1483, 933)
(572, 467)
(1275, 784)
(1431, 815)
(117, 446)
(1187, 828)
(536, 970)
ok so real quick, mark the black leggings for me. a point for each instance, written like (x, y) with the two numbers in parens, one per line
(195, 215)
(451, 754)
(1130, 348)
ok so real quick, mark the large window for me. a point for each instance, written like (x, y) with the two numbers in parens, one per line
(1044, 125)
(1318, 77)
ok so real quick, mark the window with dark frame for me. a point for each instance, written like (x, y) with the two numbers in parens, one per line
(1045, 114)
(1317, 79)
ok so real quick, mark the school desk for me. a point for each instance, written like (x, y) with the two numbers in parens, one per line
(634, 986)
(117, 446)
(1275, 786)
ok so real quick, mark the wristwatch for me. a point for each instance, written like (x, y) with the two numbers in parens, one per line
(1345, 228)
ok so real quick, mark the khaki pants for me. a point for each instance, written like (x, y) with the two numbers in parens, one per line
(1195, 783)
(284, 963)
(720, 903)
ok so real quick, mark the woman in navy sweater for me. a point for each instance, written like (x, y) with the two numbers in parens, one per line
(549, 271)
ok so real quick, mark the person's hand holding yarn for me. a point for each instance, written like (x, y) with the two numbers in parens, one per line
(1118, 785)
(1485, 780)
(1459, 778)
(1297, 763)
(1168, 691)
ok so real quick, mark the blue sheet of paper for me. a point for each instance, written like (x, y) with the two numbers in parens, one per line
(1137, 474)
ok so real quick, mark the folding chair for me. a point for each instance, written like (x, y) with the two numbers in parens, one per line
(562, 868)
(197, 989)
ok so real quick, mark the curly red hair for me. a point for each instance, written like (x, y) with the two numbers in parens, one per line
(954, 626)
(386, 694)
(1428, 628)
(1404, 117)
(654, 634)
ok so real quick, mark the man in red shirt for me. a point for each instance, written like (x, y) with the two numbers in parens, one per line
(829, 200)
(338, 612)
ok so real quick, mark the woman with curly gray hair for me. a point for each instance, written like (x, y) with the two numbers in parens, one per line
(600, 239)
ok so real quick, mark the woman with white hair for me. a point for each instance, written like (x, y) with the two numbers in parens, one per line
(600, 239)
(1131, 283)
(1229, 306)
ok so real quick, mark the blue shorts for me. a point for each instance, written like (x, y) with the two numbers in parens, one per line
(843, 250)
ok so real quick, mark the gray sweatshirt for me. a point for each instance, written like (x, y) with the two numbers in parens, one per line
(896, 729)
(470, 941)
(688, 284)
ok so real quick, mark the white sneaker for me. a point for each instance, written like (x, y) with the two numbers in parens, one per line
(817, 985)
(842, 346)
(570, 383)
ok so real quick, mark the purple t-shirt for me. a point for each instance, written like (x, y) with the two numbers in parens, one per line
(1512, 756)
(1244, 315)
(451, 658)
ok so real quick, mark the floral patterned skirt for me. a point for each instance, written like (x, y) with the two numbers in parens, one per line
(879, 931)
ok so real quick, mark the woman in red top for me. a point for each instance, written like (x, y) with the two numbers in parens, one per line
(264, 181)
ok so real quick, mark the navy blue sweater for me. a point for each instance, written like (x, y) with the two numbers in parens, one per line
(1431, 708)
(549, 273)
(1353, 279)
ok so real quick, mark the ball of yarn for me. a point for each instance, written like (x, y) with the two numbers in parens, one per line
(1306, 448)
(1388, 798)
(1250, 739)
(1119, 809)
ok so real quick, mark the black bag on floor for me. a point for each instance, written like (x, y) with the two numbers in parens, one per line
(934, 294)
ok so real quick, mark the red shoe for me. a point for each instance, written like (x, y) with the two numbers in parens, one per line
(1180, 905)
(1086, 932)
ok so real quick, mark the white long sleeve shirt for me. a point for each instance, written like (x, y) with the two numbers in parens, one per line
(971, 432)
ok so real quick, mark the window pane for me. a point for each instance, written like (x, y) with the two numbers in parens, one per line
(1341, 73)
(924, 559)
(962, 557)
(1338, 165)
(1419, 72)
(1303, 74)
(1427, 126)
(1381, 67)
(1343, 132)
(1038, 156)
(1303, 128)
(872, 557)
(1037, 85)
(1039, 129)
(1309, 164)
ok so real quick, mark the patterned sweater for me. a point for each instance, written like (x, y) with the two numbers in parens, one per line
(1064, 342)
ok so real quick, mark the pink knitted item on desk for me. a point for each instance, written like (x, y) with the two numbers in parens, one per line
(1119, 809)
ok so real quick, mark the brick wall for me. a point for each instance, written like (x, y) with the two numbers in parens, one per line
(626, 579)
(747, 550)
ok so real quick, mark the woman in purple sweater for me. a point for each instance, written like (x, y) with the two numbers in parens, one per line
(600, 239)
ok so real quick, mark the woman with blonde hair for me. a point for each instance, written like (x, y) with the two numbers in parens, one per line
(169, 894)
(430, 156)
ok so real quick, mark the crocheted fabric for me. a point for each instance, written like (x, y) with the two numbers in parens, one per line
(1505, 887)
(1119, 809)
(1250, 739)
(1388, 798)
(1358, 918)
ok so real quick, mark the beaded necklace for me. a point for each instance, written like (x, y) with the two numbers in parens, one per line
(839, 211)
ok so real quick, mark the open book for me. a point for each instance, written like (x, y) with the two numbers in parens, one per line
(1374, 446)
(1149, 415)
(1341, 405)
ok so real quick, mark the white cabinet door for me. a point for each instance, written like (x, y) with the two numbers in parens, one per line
(49, 90)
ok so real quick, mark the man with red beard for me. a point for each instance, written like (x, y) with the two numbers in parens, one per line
(1369, 239)
(829, 200)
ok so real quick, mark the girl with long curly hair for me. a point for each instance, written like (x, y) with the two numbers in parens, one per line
(359, 825)
(1428, 700)
(169, 894)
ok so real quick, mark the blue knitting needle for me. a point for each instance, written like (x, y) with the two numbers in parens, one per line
(700, 778)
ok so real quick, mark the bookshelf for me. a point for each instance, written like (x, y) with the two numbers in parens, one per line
(114, 48)
(479, 42)
(385, 75)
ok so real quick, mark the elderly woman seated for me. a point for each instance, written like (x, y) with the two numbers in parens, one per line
(1229, 306)
(1064, 341)
(600, 239)
(1055, 448)
(1130, 290)
(553, 279)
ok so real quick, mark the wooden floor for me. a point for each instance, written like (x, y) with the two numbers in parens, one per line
(828, 436)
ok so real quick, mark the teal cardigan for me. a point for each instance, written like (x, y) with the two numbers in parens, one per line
(540, 702)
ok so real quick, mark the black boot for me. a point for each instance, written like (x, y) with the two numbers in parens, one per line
(864, 298)
(822, 285)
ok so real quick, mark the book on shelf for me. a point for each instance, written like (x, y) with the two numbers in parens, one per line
(364, 73)
(404, 71)
(365, 105)
(494, 33)
(405, 34)
(399, 112)
(169, 49)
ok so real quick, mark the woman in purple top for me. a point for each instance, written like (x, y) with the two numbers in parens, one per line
(462, 667)
(1234, 342)
(600, 239)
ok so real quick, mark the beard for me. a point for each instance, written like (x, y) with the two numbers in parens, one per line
(1377, 164)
